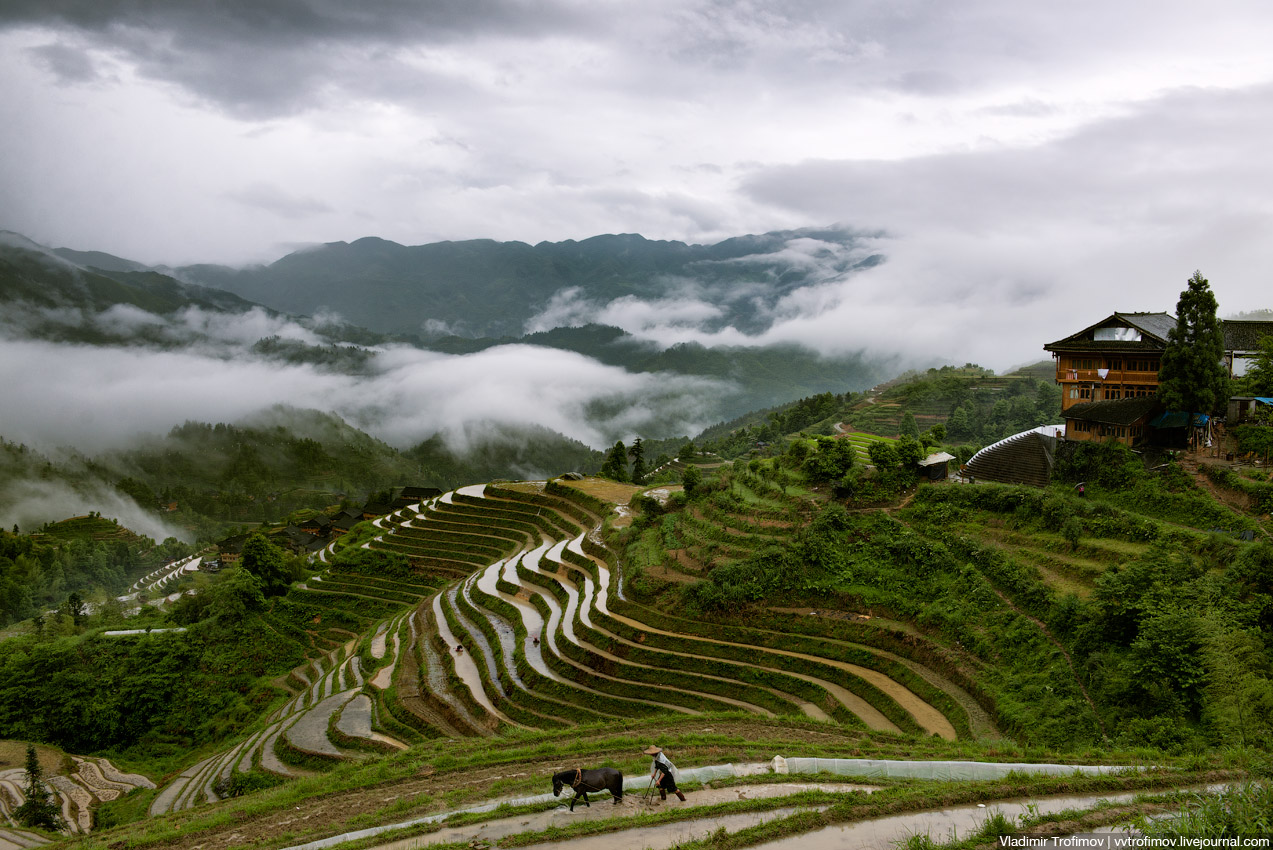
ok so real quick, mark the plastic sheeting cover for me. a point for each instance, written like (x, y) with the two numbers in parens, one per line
(963, 770)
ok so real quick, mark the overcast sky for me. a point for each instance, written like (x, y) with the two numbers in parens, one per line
(1031, 166)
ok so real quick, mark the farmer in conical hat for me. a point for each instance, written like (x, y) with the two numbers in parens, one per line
(661, 770)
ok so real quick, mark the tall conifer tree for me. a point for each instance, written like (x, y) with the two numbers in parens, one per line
(616, 464)
(1192, 377)
(39, 809)
(637, 452)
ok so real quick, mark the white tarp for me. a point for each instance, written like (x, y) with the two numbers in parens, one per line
(965, 770)
(710, 773)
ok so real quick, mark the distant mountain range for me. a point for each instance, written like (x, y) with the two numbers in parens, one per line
(465, 297)
(483, 288)
(42, 277)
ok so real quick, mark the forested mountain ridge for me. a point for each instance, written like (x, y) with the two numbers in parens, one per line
(484, 288)
(41, 277)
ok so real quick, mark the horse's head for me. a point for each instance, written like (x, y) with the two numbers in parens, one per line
(557, 783)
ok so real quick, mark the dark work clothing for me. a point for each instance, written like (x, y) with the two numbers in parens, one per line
(662, 766)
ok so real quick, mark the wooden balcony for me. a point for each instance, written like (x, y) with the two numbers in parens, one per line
(1119, 376)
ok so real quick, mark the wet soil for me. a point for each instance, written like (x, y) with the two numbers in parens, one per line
(329, 814)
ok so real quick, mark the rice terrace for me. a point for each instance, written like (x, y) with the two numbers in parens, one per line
(692, 425)
(809, 663)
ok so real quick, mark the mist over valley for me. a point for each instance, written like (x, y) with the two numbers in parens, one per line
(101, 355)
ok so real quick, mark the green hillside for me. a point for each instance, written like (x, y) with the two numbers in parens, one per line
(973, 405)
(766, 611)
(30, 273)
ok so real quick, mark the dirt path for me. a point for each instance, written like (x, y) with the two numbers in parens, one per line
(329, 813)
(1240, 502)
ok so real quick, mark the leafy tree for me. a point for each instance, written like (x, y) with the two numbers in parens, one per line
(637, 452)
(960, 423)
(691, 479)
(39, 809)
(687, 451)
(267, 562)
(76, 609)
(234, 596)
(883, 454)
(1072, 531)
(910, 451)
(798, 451)
(616, 465)
(909, 427)
(833, 459)
(1258, 380)
(1192, 378)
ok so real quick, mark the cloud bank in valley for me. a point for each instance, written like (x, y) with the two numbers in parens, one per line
(29, 503)
(94, 397)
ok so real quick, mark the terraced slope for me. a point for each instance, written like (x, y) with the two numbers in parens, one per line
(93, 781)
(325, 688)
(513, 617)
(542, 647)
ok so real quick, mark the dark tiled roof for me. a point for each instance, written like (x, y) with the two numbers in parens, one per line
(1021, 459)
(234, 544)
(376, 509)
(1123, 411)
(1157, 324)
(1151, 346)
(1153, 328)
(297, 536)
(417, 493)
(1245, 335)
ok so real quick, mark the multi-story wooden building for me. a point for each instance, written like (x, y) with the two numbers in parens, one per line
(1108, 372)
(1116, 358)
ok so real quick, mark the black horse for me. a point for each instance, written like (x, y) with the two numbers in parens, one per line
(583, 781)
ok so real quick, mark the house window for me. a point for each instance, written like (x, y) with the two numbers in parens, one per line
(1112, 393)
(1085, 392)
(1115, 365)
(1116, 335)
(1074, 392)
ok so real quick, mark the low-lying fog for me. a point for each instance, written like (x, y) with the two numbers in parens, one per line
(100, 396)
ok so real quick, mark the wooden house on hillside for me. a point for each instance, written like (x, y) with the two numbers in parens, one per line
(371, 510)
(319, 525)
(231, 548)
(415, 495)
(344, 521)
(1108, 372)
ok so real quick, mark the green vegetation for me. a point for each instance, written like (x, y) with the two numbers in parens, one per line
(815, 599)
(1192, 377)
(1245, 812)
(38, 809)
(1258, 380)
(88, 558)
(962, 405)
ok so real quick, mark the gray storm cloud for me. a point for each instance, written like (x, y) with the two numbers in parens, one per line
(1030, 165)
